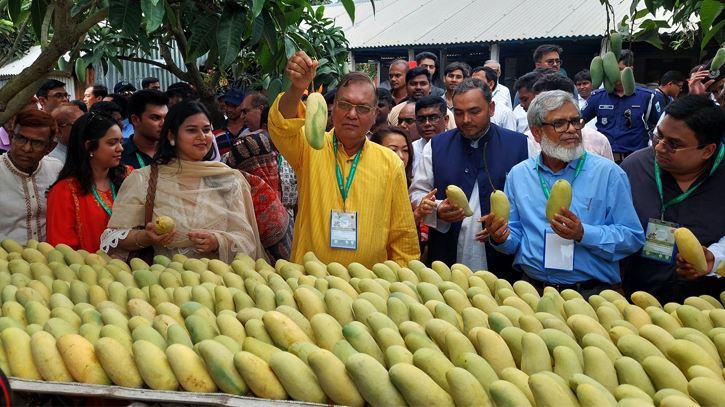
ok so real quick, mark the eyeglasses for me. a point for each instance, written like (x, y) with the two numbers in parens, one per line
(60, 126)
(657, 139)
(20, 141)
(407, 120)
(126, 93)
(360, 109)
(433, 119)
(562, 126)
(628, 116)
(60, 95)
(554, 62)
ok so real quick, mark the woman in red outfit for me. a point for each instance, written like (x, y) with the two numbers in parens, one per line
(81, 201)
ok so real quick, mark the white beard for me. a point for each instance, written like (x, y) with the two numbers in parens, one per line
(561, 153)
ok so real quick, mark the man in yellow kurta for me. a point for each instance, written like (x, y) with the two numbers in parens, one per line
(374, 221)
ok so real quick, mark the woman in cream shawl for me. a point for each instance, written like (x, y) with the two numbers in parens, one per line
(210, 203)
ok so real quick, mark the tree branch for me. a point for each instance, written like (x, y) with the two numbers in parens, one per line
(171, 65)
(208, 10)
(16, 44)
(45, 28)
(145, 61)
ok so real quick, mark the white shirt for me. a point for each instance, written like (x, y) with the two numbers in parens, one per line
(503, 94)
(504, 117)
(469, 251)
(594, 142)
(718, 251)
(25, 199)
(522, 122)
(418, 146)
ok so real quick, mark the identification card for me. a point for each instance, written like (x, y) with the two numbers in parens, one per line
(558, 252)
(659, 241)
(343, 230)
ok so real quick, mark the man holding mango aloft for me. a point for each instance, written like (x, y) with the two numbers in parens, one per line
(566, 246)
(353, 203)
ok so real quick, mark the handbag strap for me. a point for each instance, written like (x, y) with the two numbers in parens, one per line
(151, 192)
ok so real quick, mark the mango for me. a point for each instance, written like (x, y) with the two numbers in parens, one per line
(316, 120)
(457, 197)
(691, 249)
(559, 197)
(164, 225)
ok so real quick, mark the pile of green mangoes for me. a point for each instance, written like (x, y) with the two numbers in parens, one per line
(326, 333)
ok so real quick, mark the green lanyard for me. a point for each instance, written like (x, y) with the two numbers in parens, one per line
(579, 167)
(344, 191)
(98, 198)
(682, 197)
(140, 160)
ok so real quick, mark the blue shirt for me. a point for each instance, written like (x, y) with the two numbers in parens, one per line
(132, 156)
(610, 109)
(127, 129)
(602, 200)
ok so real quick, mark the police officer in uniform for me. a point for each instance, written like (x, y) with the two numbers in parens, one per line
(625, 120)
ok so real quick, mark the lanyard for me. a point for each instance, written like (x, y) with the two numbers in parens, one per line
(279, 161)
(344, 191)
(140, 160)
(579, 167)
(98, 198)
(687, 193)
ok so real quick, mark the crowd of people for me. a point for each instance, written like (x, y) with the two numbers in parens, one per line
(95, 173)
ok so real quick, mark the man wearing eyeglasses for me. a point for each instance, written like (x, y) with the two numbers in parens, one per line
(406, 120)
(51, 95)
(431, 118)
(64, 116)
(502, 92)
(417, 83)
(671, 86)
(579, 249)
(353, 205)
(26, 174)
(679, 183)
(475, 157)
(625, 120)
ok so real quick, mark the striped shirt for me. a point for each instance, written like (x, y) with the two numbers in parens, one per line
(379, 195)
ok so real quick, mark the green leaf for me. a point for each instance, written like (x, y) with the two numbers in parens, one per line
(125, 15)
(320, 12)
(257, 6)
(229, 34)
(153, 14)
(302, 42)
(641, 14)
(293, 17)
(350, 8)
(170, 15)
(116, 63)
(258, 29)
(14, 9)
(37, 14)
(289, 47)
(633, 7)
(710, 33)
(144, 44)
(270, 32)
(203, 35)
(274, 89)
(62, 63)
(78, 6)
(709, 11)
(265, 59)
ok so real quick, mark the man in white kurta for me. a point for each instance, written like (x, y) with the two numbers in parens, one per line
(26, 175)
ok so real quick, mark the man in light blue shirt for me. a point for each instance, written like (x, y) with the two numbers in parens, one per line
(581, 246)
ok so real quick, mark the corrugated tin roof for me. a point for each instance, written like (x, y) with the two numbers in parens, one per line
(431, 22)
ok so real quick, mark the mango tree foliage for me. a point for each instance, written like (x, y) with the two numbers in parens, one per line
(223, 33)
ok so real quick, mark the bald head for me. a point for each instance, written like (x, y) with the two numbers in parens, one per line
(65, 115)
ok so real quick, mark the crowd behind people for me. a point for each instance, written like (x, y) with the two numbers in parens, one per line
(95, 173)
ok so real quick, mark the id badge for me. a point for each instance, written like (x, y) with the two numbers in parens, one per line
(343, 230)
(659, 244)
(558, 252)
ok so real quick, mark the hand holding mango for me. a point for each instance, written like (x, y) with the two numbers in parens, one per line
(164, 225)
(691, 249)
